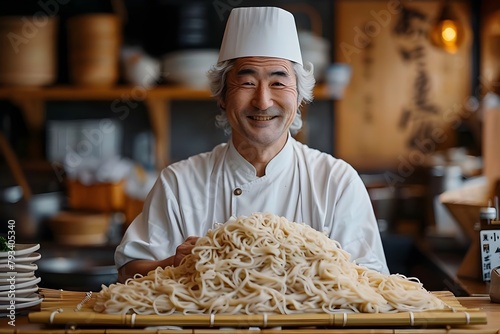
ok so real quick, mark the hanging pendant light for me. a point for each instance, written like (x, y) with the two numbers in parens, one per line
(447, 32)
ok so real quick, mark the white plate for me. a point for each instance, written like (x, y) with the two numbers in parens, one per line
(21, 250)
(21, 292)
(30, 298)
(23, 259)
(7, 274)
(21, 285)
(18, 280)
(5, 268)
(22, 305)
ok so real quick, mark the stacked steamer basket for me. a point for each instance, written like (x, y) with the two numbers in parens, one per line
(94, 42)
(18, 283)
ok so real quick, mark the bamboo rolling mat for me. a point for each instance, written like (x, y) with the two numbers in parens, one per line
(70, 307)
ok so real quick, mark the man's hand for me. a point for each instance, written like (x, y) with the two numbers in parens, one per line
(144, 266)
(184, 249)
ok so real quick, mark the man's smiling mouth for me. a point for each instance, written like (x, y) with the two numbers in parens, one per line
(261, 118)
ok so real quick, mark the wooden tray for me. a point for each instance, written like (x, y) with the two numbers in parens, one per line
(76, 308)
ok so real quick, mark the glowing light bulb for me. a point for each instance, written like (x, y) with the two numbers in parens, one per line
(449, 31)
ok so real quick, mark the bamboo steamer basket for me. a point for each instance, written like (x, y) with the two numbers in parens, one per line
(80, 227)
(28, 50)
(94, 42)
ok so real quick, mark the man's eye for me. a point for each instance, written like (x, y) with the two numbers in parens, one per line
(248, 83)
(279, 84)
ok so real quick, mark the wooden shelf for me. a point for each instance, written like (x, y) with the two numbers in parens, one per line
(69, 93)
(31, 101)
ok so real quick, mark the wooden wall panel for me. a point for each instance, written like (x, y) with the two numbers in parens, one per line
(405, 95)
(490, 48)
(489, 83)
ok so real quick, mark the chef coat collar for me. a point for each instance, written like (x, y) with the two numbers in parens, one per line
(277, 164)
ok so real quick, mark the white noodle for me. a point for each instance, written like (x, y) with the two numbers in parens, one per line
(265, 264)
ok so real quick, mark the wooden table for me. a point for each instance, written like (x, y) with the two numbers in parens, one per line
(492, 311)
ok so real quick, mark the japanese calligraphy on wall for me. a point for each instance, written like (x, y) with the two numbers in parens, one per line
(405, 95)
(419, 113)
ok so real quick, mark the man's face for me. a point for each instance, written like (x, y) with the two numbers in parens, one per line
(261, 101)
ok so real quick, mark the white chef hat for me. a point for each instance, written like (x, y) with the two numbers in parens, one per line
(260, 31)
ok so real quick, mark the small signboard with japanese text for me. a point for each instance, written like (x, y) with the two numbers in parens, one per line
(490, 252)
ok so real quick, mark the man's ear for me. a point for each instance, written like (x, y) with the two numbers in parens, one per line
(222, 104)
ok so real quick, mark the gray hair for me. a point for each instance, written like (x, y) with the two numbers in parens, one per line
(305, 84)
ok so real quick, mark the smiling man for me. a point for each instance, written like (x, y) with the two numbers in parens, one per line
(260, 84)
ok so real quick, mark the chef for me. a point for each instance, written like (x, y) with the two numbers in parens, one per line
(260, 84)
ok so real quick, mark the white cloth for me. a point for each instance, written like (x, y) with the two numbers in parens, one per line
(300, 183)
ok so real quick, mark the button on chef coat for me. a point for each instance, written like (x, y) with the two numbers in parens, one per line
(300, 183)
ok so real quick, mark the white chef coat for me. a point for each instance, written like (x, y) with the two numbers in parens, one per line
(300, 183)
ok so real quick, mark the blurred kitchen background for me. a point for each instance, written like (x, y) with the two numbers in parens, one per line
(96, 96)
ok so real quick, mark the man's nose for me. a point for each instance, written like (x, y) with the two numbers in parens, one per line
(262, 98)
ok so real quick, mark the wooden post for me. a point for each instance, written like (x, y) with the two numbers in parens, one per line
(159, 116)
(33, 111)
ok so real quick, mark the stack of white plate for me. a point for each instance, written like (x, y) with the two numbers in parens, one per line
(18, 283)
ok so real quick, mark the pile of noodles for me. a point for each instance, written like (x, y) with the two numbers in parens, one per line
(265, 264)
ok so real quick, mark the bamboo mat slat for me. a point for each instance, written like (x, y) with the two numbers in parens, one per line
(63, 307)
(254, 331)
(293, 320)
